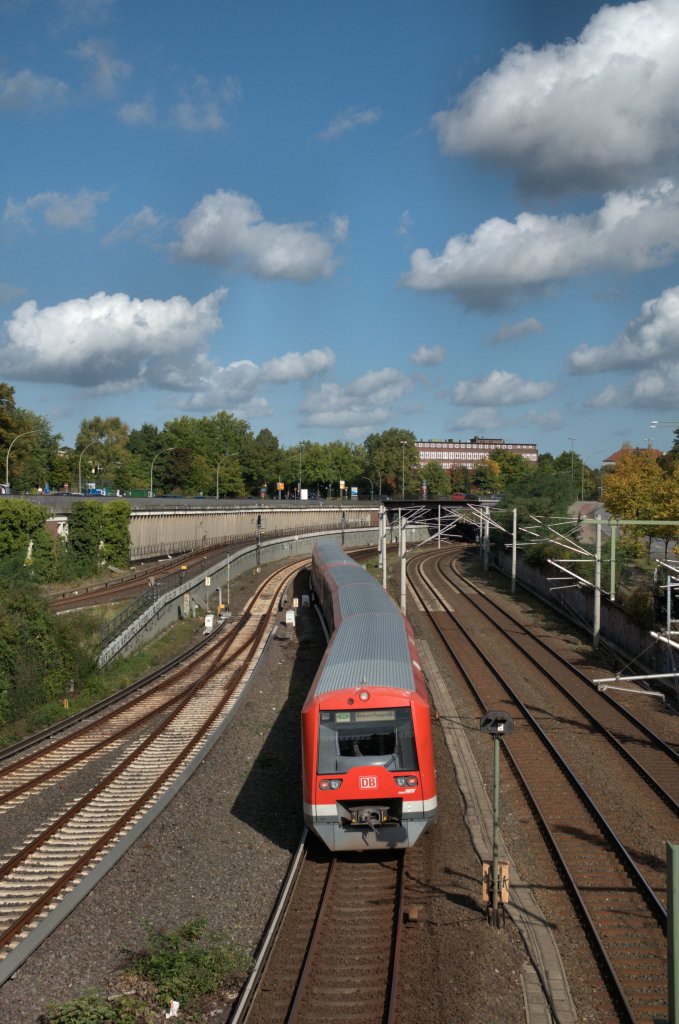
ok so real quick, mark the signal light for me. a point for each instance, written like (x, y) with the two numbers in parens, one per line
(406, 780)
(330, 784)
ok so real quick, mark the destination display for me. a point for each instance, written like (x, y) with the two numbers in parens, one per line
(342, 717)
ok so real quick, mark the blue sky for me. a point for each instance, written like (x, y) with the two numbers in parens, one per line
(330, 219)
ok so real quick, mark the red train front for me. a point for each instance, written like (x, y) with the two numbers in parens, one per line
(368, 768)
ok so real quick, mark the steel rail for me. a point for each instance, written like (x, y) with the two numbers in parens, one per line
(121, 705)
(653, 904)
(84, 859)
(621, 745)
(668, 749)
(326, 926)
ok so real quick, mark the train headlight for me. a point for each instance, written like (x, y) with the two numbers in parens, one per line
(364, 695)
(330, 784)
(406, 780)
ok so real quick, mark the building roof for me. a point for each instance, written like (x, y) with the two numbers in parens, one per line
(612, 459)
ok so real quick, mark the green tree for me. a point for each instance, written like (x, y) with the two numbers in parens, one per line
(20, 521)
(85, 535)
(109, 460)
(485, 477)
(437, 479)
(394, 457)
(40, 654)
(146, 441)
(265, 461)
(116, 533)
(206, 440)
(461, 480)
(511, 467)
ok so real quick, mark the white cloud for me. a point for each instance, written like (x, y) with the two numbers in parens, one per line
(363, 402)
(340, 228)
(500, 387)
(483, 419)
(141, 112)
(113, 343)
(145, 224)
(654, 390)
(428, 355)
(349, 120)
(648, 349)
(405, 223)
(607, 397)
(552, 419)
(518, 330)
(25, 90)
(202, 109)
(238, 383)
(298, 365)
(651, 337)
(227, 229)
(632, 231)
(58, 210)
(598, 112)
(107, 72)
(107, 339)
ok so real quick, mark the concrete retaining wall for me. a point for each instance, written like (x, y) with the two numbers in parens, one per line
(191, 597)
(158, 532)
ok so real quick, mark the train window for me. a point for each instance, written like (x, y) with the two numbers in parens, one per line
(349, 739)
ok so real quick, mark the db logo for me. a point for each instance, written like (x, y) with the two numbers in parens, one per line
(367, 782)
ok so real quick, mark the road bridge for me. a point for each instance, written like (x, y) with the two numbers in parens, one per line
(169, 526)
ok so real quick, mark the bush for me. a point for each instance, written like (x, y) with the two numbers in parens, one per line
(182, 965)
(189, 963)
(95, 1009)
(539, 554)
(116, 533)
(41, 654)
(639, 606)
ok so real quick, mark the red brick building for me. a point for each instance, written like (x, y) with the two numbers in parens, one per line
(469, 453)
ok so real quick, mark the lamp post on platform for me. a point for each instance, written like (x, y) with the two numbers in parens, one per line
(572, 441)
(299, 482)
(403, 469)
(153, 460)
(25, 432)
(225, 456)
(80, 464)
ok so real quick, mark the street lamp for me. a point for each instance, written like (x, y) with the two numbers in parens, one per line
(664, 423)
(572, 441)
(372, 490)
(403, 469)
(9, 450)
(226, 455)
(299, 482)
(161, 452)
(80, 464)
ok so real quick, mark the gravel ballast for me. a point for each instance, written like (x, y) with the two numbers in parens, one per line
(221, 849)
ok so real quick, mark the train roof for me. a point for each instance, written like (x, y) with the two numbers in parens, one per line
(370, 649)
(331, 552)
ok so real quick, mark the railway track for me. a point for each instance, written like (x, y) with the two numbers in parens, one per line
(618, 892)
(148, 743)
(136, 582)
(335, 956)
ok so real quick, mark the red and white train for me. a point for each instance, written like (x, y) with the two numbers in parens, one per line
(368, 766)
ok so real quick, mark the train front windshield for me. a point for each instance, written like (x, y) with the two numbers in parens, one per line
(353, 739)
